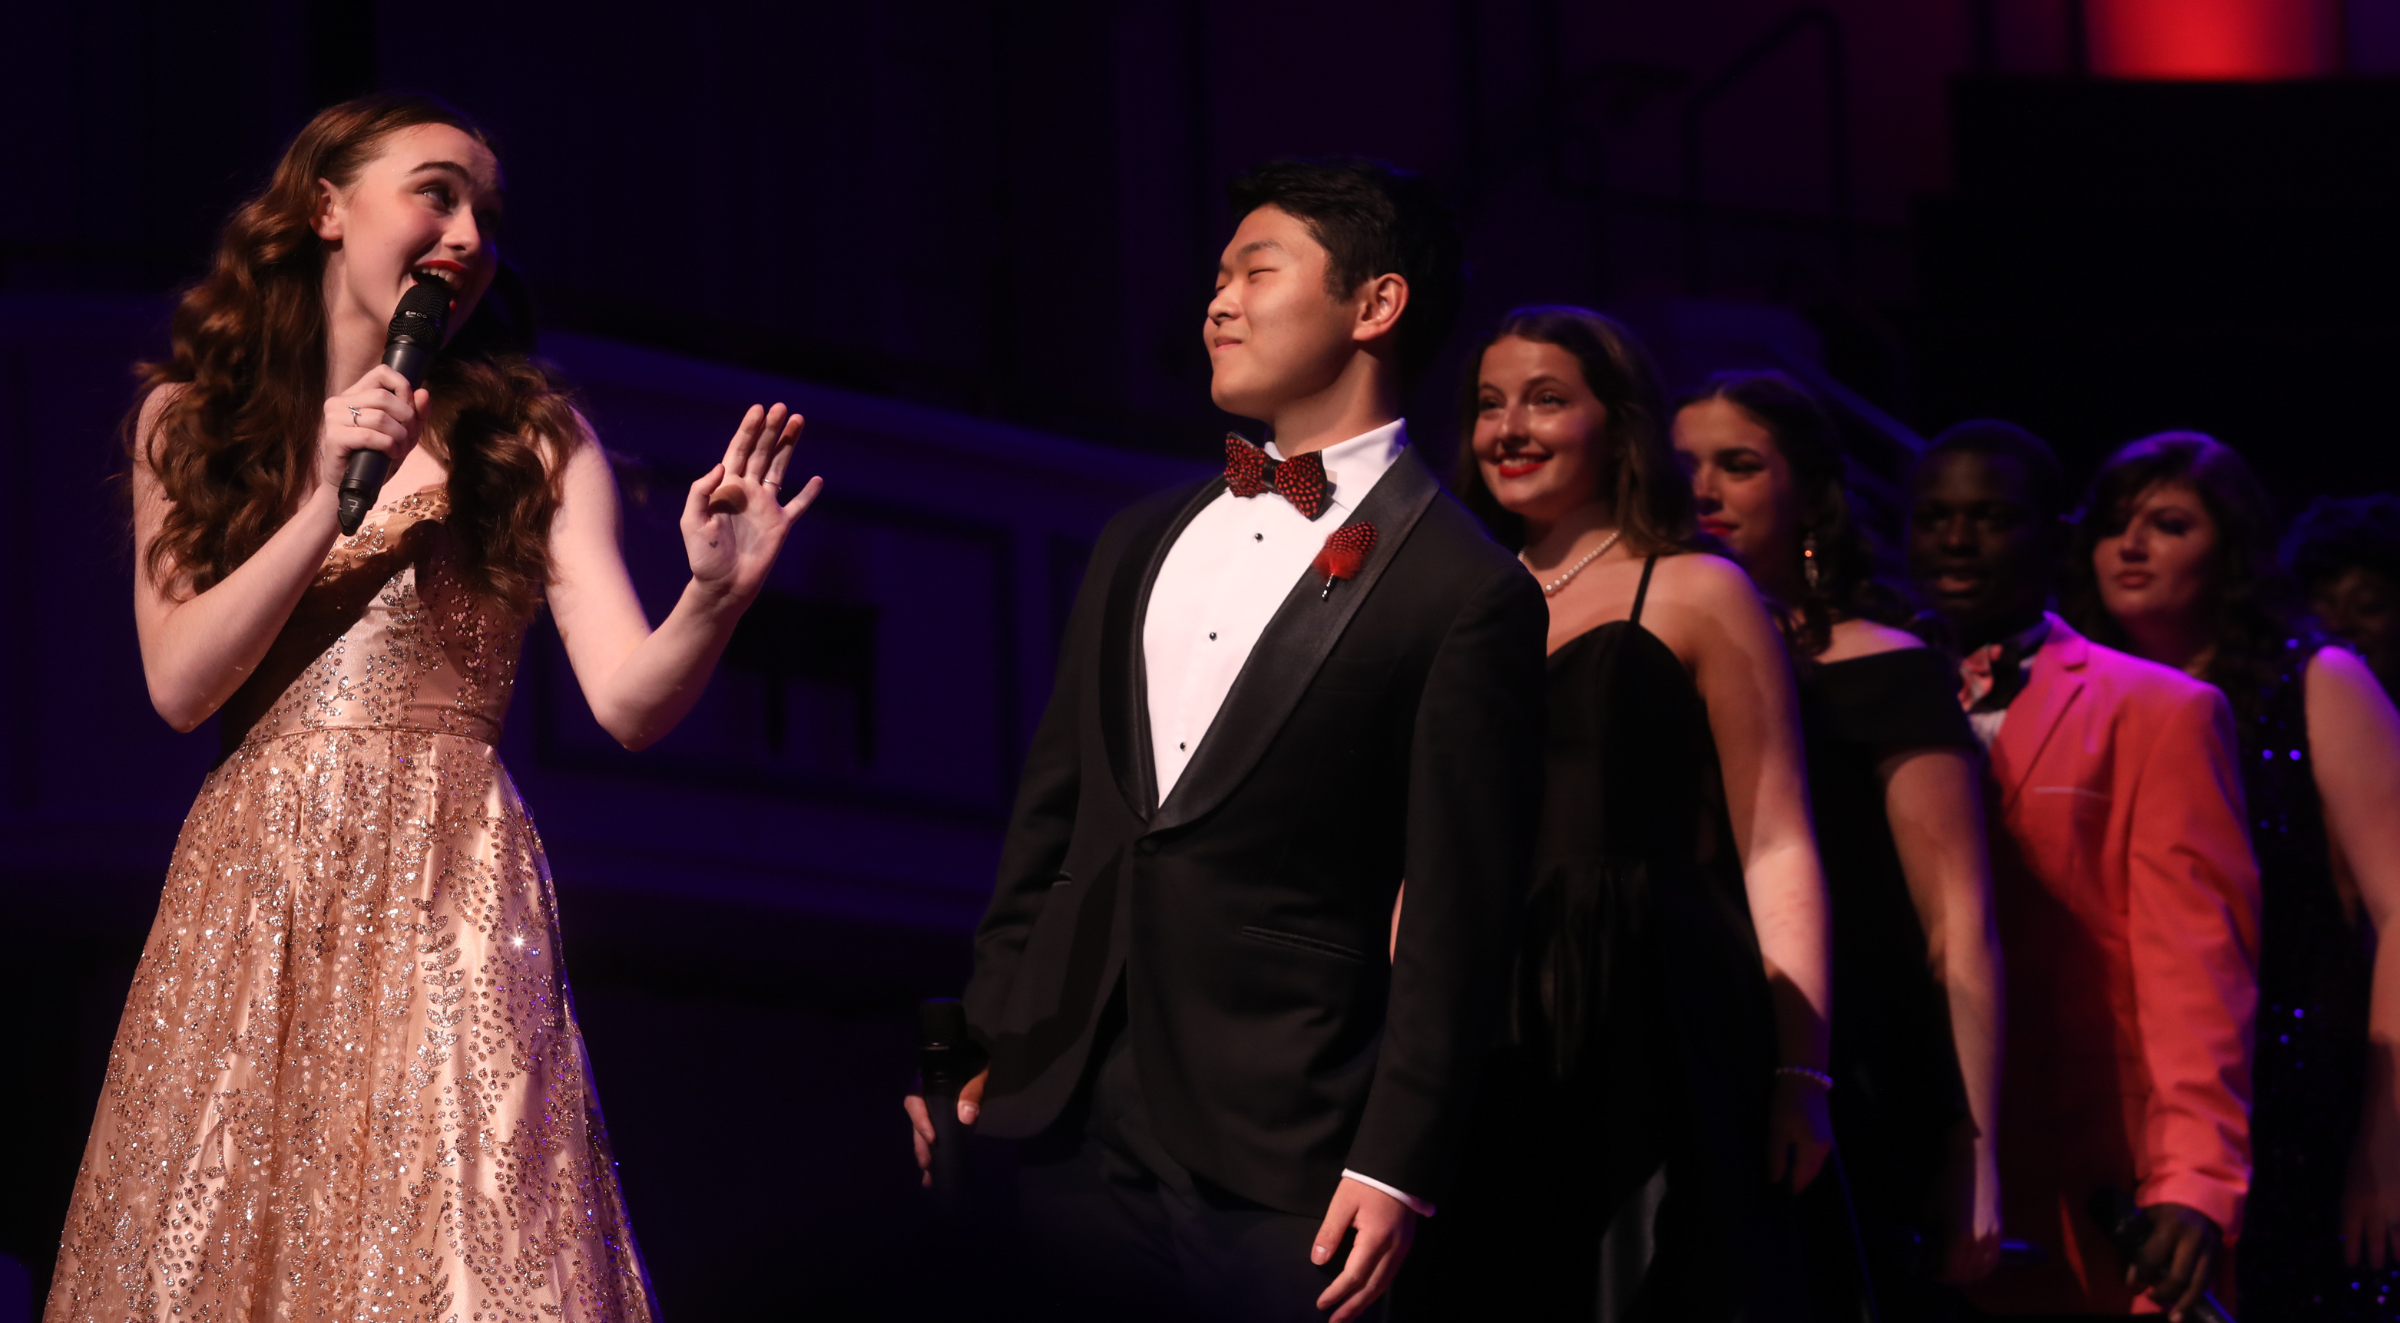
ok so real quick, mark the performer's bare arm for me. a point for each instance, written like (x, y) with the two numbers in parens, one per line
(641, 681)
(1708, 612)
(198, 648)
(1934, 799)
(2355, 737)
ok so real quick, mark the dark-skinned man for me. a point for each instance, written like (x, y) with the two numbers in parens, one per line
(2126, 894)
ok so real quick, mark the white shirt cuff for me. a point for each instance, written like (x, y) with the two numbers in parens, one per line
(1415, 1205)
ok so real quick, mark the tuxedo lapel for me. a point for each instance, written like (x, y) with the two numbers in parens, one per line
(1124, 687)
(1296, 642)
(2035, 716)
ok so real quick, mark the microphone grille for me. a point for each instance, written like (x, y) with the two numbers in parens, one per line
(422, 313)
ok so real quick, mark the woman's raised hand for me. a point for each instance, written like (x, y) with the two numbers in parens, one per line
(378, 412)
(735, 519)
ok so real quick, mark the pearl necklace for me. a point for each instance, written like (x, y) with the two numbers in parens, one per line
(1551, 588)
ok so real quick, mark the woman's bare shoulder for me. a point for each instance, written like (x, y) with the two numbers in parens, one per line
(1714, 592)
(2340, 684)
(1865, 638)
(145, 422)
(1700, 603)
(1704, 578)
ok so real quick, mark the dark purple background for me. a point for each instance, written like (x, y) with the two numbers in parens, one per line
(972, 241)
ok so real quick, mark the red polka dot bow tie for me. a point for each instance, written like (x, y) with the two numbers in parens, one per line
(1991, 677)
(1300, 480)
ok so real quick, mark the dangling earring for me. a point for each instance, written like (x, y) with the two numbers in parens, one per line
(1808, 561)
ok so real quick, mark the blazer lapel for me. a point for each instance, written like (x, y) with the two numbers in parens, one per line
(1124, 683)
(2035, 716)
(1296, 642)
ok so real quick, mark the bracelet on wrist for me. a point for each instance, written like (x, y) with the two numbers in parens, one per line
(1809, 1073)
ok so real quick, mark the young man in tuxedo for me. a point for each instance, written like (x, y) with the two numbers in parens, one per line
(2126, 896)
(1233, 1104)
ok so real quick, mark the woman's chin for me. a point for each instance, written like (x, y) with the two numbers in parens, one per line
(1539, 506)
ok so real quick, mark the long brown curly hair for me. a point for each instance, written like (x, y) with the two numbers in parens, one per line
(234, 445)
(1646, 491)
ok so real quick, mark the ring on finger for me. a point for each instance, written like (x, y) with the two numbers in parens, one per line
(354, 421)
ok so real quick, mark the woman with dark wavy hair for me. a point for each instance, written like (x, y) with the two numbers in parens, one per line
(1671, 995)
(349, 1081)
(1895, 783)
(2345, 551)
(2174, 560)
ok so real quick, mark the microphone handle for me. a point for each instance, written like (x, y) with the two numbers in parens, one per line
(410, 358)
(362, 479)
(362, 482)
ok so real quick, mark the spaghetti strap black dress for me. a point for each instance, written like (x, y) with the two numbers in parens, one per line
(1640, 1034)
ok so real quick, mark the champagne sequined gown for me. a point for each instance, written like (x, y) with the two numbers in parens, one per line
(349, 1083)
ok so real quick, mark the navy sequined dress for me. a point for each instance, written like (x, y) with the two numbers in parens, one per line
(2316, 968)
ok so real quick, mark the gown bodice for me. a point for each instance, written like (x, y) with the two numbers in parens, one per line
(1634, 851)
(1629, 753)
(389, 636)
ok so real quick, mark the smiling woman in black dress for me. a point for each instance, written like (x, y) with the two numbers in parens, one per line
(1671, 995)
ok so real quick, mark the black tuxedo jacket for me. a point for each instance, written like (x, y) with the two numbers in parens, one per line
(1389, 730)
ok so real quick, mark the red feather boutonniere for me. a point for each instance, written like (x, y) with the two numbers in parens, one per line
(1346, 549)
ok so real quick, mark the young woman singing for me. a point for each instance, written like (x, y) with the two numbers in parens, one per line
(349, 1082)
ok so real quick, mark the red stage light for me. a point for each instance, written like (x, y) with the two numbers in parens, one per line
(2213, 39)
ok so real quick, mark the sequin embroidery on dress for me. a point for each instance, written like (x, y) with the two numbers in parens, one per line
(2316, 978)
(349, 1083)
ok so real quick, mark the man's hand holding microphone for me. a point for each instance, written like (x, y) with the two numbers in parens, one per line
(941, 1114)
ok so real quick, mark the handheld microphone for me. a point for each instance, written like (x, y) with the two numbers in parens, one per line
(2128, 1227)
(409, 346)
(946, 1060)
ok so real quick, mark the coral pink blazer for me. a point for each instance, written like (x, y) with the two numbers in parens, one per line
(2128, 910)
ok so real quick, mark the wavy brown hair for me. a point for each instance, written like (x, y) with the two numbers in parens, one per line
(2259, 626)
(1647, 492)
(234, 443)
(1849, 584)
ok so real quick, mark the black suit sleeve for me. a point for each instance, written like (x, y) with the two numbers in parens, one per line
(1043, 820)
(1474, 797)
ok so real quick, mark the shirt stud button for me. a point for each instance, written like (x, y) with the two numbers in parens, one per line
(1258, 537)
(1181, 745)
(1212, 634)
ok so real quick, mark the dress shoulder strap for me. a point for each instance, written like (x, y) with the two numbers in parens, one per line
(1642, 593)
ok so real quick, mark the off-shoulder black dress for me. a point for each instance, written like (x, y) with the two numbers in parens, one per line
(1897, 1094)
(1640, 1037)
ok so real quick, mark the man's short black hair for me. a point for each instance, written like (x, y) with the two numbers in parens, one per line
(1991, 436)
(1373, 219)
